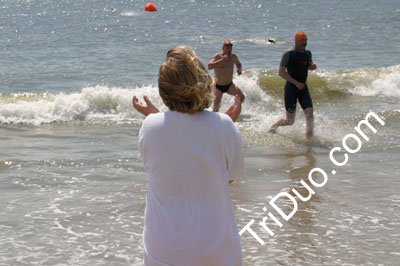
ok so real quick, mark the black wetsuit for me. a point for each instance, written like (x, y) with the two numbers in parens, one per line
(297, 66)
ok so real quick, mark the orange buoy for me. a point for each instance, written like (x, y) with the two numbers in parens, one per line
(150, 7)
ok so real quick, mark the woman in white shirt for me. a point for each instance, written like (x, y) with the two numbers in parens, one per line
(190, 155)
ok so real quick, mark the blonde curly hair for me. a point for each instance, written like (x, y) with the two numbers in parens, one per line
(184, 83)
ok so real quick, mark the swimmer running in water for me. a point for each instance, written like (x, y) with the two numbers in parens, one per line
(294, 67)
(223, 64)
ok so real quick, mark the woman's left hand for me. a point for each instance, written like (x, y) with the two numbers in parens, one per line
(147, 109)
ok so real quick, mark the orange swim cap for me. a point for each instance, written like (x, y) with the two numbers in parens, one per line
(227, 42)
(300, 35)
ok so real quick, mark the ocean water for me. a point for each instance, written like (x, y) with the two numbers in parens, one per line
(72, 189)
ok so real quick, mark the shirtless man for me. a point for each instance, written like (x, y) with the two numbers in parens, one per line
(222, 63)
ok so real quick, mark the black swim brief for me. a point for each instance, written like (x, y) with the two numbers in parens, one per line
(224, 88)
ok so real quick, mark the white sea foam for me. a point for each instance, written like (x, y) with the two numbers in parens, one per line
(129, 14)
(381, 82)
(101, 104)
(88, 105)
(386, 84)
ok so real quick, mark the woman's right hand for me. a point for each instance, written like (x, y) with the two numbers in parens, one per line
(235, 109)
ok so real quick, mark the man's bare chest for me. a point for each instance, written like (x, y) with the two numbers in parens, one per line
(228, 62)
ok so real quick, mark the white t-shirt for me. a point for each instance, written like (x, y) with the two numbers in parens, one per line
(189, 217)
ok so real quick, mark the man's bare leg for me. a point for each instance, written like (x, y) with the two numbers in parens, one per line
(235, 90)
(287, 121)
(309, 122)
(217, 100)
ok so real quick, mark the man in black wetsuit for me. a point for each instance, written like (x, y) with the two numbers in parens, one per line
(294, 68)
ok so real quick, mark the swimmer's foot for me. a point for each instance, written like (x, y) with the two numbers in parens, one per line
(272, 130)
(309, 134)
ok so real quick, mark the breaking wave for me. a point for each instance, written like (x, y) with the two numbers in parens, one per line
(263, 88)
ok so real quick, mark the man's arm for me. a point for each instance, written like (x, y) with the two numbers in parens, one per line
(215, 60)
(238, 65)
(312, 66)
(285, 75)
